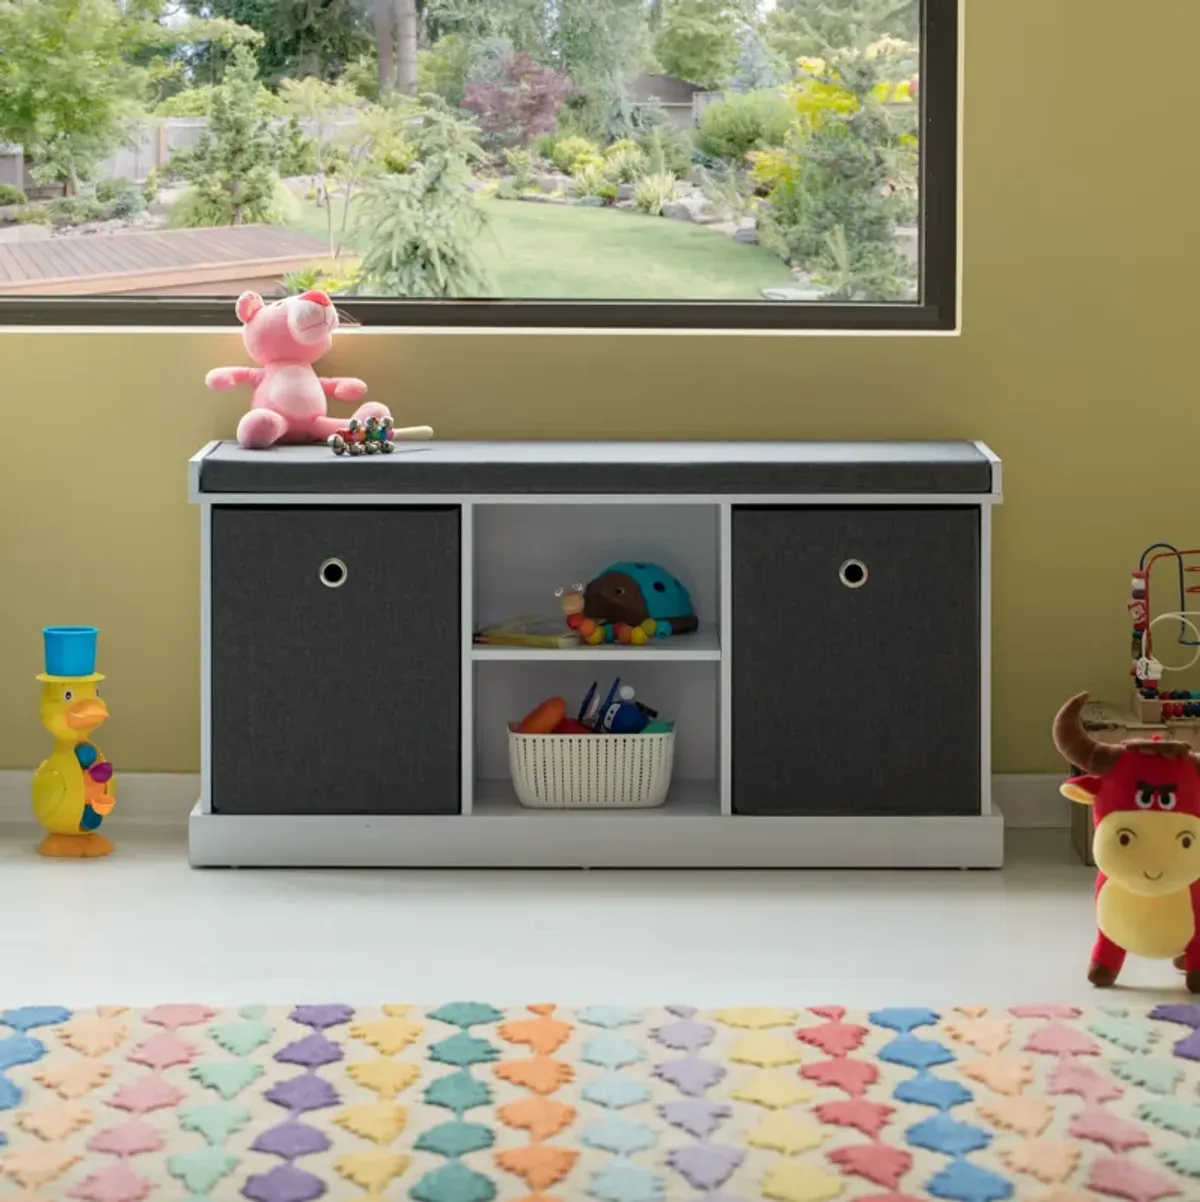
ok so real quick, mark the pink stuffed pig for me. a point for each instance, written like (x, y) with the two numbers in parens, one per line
(286, 338)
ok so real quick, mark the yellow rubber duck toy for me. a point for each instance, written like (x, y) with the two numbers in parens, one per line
(73, 790)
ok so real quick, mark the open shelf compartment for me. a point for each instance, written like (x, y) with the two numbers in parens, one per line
(682, 691)
(522, 553)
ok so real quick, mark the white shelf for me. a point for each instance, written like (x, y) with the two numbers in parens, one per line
(687, 799)
(702, 646)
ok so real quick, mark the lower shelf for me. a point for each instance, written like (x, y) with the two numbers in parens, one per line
(504, 836)
(694, 799)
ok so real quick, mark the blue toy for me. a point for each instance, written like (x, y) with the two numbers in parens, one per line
(619, 714)
(630, 602)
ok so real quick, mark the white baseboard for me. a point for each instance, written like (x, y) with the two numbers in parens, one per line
(144, 799)
(1027, 801)
(1032, 801)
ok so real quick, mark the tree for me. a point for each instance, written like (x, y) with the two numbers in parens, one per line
(419, 229)
(406, 47)
(521, 24)
(298, 37)
(396, 45)
(699, 41)
(232, 169)
(347, 153)
(809, 28)
(67, 93)
(600, 46)
(852, 172)
(757, 67)
(519, 102)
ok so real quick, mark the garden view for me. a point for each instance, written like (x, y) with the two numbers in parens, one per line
(753, 150)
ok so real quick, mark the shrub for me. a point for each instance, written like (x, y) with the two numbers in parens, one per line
(854, 148)
(608, 192)
(151, 186)
(441, 68)
(728, 192)
(31, 216)
(129, 202)
(653, 191)
(191, 102)
(107, 190)
(520, 163)
(587, 161)
(418, 230)
(620, 147)
(196, 210)
(543, 146)
(587, 181)
(518, 101)
(337, 279)
(507, 190)
(234, 164)
(733, 127)
(76, 210)
(297, 151)
(11, 196)
(567, 150)
(666, 151)
(625, 163)
(774, 170)
(397, 158)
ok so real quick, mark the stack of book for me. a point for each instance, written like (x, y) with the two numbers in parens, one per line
(528, 630)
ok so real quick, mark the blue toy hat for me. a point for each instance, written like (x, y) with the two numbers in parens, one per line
(70, 653)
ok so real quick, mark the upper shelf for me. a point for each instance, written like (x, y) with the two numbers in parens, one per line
(703, 645)
(515, 469)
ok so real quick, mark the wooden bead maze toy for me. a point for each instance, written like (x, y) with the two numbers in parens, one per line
(1153, 700)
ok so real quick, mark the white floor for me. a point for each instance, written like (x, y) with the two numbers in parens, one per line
(142, 928)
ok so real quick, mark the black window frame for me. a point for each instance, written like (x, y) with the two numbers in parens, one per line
(936, 310)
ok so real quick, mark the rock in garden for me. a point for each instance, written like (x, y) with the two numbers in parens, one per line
(746, 234)
(679, 210)
(554, 182)
(625, 192)
(793, 294)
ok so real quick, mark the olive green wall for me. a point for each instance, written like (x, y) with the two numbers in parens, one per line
(1076, 364)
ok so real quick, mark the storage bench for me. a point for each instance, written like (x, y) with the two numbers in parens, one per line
(832, 710)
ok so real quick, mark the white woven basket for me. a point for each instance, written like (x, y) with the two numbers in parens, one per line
(591, 772)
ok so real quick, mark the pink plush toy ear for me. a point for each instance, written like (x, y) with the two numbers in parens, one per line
(248, 304)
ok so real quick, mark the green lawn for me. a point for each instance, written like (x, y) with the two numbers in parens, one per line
(577, 253)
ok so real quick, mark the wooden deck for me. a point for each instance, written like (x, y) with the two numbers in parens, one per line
(194, 262)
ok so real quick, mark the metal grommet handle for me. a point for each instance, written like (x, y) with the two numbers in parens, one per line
(853, 573)
(332, 573)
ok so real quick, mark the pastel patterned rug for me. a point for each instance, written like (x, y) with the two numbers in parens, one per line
(467, 1102)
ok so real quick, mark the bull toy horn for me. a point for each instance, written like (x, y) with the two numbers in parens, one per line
(1076, 746)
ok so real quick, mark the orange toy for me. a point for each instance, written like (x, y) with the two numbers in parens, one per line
(543, 719)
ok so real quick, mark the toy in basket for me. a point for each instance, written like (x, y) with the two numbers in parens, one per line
(615, 754)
